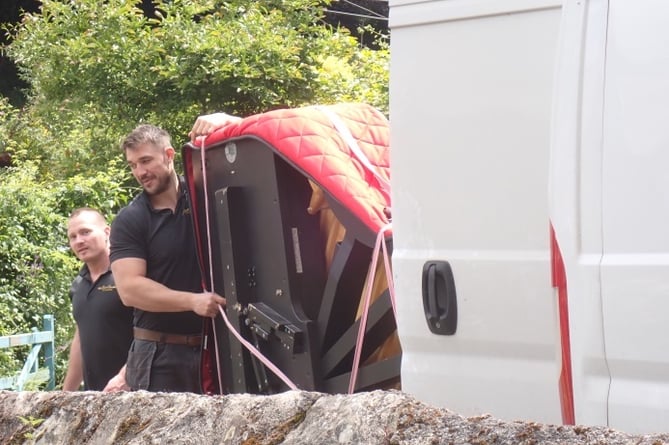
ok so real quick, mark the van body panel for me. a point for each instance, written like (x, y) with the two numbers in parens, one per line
(635, 206)
(470, 159)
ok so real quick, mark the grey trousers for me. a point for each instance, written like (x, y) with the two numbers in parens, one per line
(163, 367)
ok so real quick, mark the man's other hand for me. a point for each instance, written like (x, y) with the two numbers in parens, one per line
(208, 123)
(206, 304)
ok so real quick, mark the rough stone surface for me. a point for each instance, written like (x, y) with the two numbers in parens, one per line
(295, 417)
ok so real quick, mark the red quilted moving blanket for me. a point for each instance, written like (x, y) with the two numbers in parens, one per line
(308, 138)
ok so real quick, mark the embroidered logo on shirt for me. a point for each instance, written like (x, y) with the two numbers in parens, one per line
(107, 288)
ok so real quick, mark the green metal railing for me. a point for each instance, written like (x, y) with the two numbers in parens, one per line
(30, 368)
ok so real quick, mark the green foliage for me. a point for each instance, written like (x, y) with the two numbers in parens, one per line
(34, 265)
(98, 68)
(8, 122)
(30, 424)
(105, 190)
(361, 76)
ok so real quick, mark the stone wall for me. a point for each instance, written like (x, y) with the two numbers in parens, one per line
(295, 417)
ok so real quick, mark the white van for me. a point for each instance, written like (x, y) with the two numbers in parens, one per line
(530, 157)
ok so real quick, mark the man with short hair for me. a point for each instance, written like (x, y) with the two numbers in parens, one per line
(103, 330)
(154, 260)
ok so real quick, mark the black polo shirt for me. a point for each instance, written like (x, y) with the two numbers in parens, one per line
(166, 241)
(105, 327)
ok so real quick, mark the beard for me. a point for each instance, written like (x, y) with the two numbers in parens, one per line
(161, 185)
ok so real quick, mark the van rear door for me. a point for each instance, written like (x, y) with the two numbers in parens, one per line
(470, 103)
(635, 214)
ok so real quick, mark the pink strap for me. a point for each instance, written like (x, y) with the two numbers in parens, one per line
(347, 137)
(369, 283)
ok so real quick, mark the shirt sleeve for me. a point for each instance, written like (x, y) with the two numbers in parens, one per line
(128, 235)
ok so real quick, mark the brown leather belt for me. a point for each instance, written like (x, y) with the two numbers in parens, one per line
(162, 337)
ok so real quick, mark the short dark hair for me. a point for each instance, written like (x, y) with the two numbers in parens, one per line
(146, 133)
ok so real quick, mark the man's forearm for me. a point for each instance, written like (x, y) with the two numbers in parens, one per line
(148, 295)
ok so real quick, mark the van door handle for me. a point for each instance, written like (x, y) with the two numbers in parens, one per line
(439, 298)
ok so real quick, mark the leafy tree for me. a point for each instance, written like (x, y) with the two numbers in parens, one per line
(98, 68)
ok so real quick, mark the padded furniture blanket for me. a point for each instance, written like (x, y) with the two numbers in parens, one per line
(310, 140)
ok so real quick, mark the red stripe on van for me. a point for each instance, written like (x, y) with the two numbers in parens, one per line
(559, 278)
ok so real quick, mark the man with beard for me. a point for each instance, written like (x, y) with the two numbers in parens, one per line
(153, 258)
(103, 324)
